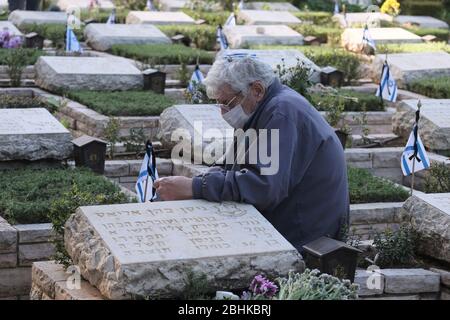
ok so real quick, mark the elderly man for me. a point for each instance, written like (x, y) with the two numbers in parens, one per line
(308, 196)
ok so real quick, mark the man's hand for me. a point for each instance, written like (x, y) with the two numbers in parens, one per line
(174, 188)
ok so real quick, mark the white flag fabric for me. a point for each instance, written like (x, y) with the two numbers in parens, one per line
(231, 20)
(388, 86)
(221, 39)
(150, 6)
(421, 161)
(367, 38)
(336, 7)
(146, 178)
(72, 44)
(196, 78)
(112, 18)
(241, 5)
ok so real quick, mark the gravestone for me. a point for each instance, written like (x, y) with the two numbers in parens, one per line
(158, 17)
(271, 6)
(195, 121)
(11, 28)
(87, 73)
(84, 4)
(263, 17)
(21, 18)
(172, 5)
(360, 19)
(148, 249)
(429, 215)
(289, 57)
(239, 36)
(3, 4)
(434, 124)
(421, 21)
(102, 36)
(32, 134)
(352, 38)
(407, 67)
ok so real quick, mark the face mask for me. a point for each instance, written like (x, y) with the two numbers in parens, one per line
(236, 117)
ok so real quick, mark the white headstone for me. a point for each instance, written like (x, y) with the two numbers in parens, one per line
(84, 4)
(158, 17)
(4, 5)
(422, 21)
(359, 19)
(102, 36)
(32, 134)
(148, 249)
(172, 5)
(352, 39)
(21, 18)
(271, 6)
(239, 36)
(11, 28)
(263, 17)
(90, 73)
(406, 67)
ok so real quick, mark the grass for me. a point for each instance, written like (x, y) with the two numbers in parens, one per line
(31, 55)
(54, 32)
(366, 188)
(413, 47)
(160, 54)
(324, 33)
(11, 101)
(123, 103)
(202, 36)
(26, 195)
(441, 34)
(353, 101)
(433, 87)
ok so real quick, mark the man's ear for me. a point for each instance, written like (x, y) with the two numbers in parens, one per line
(259, 90)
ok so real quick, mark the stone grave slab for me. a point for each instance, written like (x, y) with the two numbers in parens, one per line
(3, 4)
(172, 5)
(102, 36)
(84, 4)
(148, 249)
(430, 216)
(158, 17)
(271, 6)
(32, 134)
(434, 125)
(264, 17)
(407, 67)
(21, 18)
(12, 28)
(352, 37)
(239, 36)
(360, 19)
(197, 122)
(90, 73)
(421, 21)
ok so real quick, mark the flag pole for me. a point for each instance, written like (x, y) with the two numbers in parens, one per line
(148, 173)
(416, 129)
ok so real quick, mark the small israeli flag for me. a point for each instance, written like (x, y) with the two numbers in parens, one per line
(147, 176)
(336, 7)
(221, 39)
(241, 5)
(197, 78)
(72, 44)
(388, 86)
(150, 6)
(112, 17)
(231, 21)
(367, 38)
(410, 154)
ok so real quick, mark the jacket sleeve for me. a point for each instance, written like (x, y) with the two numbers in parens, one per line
(250, 185)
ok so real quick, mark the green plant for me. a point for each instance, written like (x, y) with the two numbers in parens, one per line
(112, 135)
(434, 87)
(54, 32)
(196, 286)
(351, 100)
(315, 17)
(325, 34)
(135, 142)
(29, 56)
(440, 34)
(211, 18)
(183, 72)
(413, 47)
(10, 101)
(202, 36)
(296, 77)
(16, 62)
(438, 178)
(198, 95)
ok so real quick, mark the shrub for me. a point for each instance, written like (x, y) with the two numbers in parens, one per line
(211, 18)
(29, 56)
(325, 34)
(54, 32)
(296, 77)
(433, 87)
(11, 101)
(438, 179)
(160, 54)
(413, 47)
(102, 16)
(364, 188)
(353, 101)
(15, 60)
(314, 17)
(123, 103)
(26, 195)
(202, 36)
(441, 34)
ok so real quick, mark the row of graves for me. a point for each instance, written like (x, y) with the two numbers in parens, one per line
(71, 232)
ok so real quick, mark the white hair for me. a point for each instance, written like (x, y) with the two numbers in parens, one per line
(238, 73)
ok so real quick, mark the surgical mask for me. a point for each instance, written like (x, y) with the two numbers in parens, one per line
(236, 117)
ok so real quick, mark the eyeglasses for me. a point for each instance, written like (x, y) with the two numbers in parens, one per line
(226, 106)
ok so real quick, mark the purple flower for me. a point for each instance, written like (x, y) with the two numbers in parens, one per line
(14, 43)
(262, 286)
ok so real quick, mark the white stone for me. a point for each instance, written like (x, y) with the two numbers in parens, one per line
(239, 36)
(20, 18)
(434, 124)
(158, 17)
(64, 5)
(148, 249)
(352, 38)
(410, 280)
(407, 67)
(429, 214)
(32, 134)
(359, 19)
(11, 28)
(90, 73)
(370, 283)
(263, 17)
(271, 6)
(421, 21)
(3, 4)
(102, 36)
(172, 5)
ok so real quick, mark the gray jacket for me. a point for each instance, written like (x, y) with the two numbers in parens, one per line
(308, 197)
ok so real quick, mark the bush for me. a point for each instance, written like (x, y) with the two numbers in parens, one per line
(438, 179)
(433, 87)
(413, 47)
(314, 17)
(29, 57)
(161, 54)
(102, 16)
(353, 101)
(202, 36)
(365, 188)
(11, 101)
(123, 103)
(325, 34)
(54, 32)
(211, 18)
(26, 195)
(441, 34)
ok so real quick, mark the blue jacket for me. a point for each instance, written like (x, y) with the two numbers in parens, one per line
(308, 197)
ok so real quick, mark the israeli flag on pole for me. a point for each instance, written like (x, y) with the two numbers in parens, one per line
(421, 158)
(367, 38)
(147, 176)
(150, 6)
(231, 21)
(72, 44)
(388, 86)
(241, 5)
(221, 39)
(112, 17)
(336, 7)
(196, 79)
